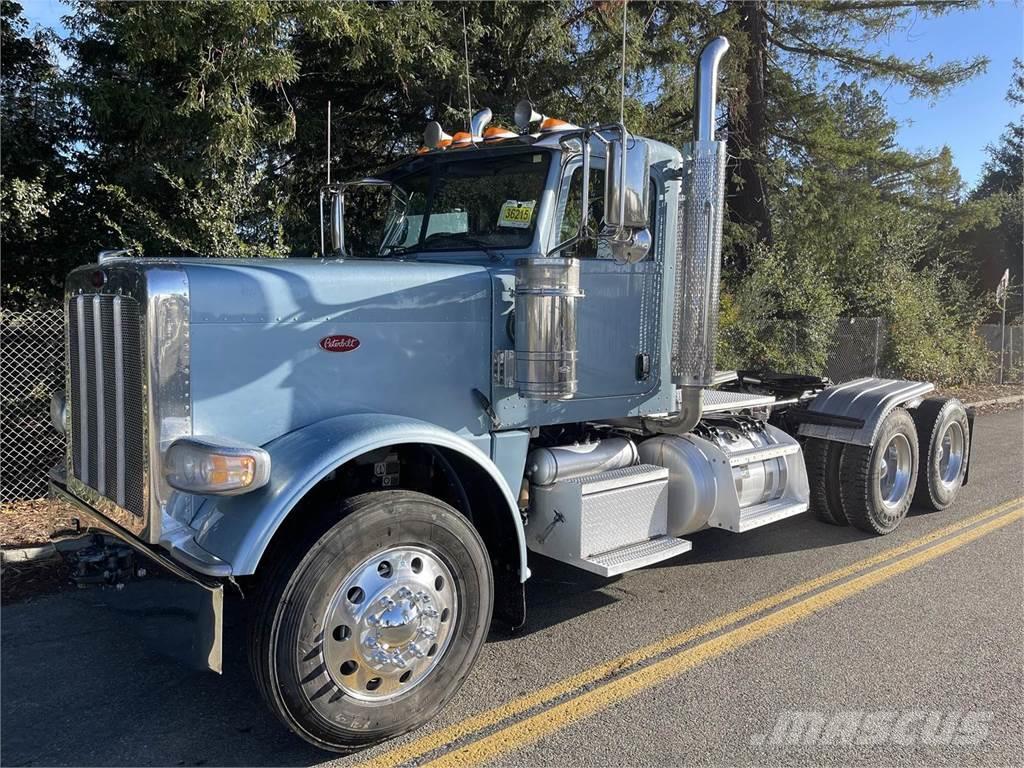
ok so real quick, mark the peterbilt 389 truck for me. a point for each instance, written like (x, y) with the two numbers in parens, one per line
(368, 448)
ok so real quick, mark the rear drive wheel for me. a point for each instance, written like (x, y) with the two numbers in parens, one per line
(822, 458)
(878, 480)
(367, 632)
(944, 436)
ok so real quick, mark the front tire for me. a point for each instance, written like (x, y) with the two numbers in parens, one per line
(368, 632)
(878, 480)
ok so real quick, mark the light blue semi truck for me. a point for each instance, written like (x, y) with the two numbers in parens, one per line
(509, 353)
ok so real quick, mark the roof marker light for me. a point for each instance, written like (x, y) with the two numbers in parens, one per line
(498, 133)
(553, 125)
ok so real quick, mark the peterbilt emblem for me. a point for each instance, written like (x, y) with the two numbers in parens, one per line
(339, 343)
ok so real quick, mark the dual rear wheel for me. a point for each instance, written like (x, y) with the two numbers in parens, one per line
(918, 458)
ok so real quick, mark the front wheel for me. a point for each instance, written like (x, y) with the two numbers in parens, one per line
(367, 633)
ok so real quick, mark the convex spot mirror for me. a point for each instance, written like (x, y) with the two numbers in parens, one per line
(635, 190)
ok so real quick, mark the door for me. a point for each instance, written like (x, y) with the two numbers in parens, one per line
(618, 318)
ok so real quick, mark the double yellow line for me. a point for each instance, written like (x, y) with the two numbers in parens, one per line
(584, 703)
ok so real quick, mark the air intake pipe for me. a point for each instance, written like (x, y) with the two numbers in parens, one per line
(698, 258)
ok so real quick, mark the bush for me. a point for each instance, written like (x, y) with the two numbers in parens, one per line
(932, 327)
(782, 317)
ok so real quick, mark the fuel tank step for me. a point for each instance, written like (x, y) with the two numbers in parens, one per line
(762, 514)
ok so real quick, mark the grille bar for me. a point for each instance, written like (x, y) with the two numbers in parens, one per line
(97, 341)
(82, 406)
(119, 399)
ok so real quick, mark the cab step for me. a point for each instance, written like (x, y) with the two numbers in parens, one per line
(633, 556)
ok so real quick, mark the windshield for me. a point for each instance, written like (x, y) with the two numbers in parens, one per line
(466, 204)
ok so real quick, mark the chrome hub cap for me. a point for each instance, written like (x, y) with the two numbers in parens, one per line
(950, 455)
(894, 470)
(389, 623)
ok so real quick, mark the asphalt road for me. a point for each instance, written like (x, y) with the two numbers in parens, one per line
(916, 658)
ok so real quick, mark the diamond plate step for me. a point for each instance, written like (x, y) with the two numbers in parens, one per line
(718, 400)
(634, 556)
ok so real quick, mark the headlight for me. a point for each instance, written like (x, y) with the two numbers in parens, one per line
(59, 411)
(216, 466)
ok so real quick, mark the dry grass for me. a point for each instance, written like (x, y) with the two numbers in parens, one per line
(977, 393)
(33, 523)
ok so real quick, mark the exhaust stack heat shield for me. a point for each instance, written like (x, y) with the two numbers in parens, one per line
(698, 264)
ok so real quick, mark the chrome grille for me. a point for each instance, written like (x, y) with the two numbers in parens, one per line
(107, 429)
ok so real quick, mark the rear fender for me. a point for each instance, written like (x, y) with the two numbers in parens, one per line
(860, 407)
(238, 529)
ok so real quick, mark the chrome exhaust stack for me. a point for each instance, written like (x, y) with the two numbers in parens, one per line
(698, 252)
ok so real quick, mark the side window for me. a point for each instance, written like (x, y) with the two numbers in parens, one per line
(571, 216)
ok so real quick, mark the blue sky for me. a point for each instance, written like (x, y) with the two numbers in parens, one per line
(966, 119)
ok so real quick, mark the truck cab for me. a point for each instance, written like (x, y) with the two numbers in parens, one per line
(504, 350)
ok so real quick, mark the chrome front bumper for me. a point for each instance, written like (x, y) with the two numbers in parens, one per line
(176, 610)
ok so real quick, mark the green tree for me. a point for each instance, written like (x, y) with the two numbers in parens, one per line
(997, 243)
(34, 176)
(787, 53)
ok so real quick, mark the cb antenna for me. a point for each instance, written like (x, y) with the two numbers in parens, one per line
(465, 48)
(328, 142)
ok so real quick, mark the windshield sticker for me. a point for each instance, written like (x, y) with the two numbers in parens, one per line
(516, 214)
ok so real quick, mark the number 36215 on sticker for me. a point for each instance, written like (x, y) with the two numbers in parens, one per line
(516, 213)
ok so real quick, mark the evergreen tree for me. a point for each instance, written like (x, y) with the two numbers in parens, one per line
(35, 185)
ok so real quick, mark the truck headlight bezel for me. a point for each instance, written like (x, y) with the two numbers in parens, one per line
(215, 466)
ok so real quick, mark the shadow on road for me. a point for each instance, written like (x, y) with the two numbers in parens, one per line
(78, 690)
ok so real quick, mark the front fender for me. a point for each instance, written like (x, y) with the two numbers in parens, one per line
(238, 529)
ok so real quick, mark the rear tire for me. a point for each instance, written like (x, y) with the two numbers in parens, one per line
(366, 632)
(945, 439)
(878, 480)
(822, 458)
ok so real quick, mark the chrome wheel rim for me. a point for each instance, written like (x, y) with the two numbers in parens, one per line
(894, 470)
(951, 455)
(389, 624)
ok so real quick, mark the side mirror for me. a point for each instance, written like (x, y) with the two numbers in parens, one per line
(626, 188)
(338, 222)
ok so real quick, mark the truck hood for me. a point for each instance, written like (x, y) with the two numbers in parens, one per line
(276, 345)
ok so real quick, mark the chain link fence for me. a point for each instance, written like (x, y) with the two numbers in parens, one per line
(857, 349)
(31, 368)
(1012, 343)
